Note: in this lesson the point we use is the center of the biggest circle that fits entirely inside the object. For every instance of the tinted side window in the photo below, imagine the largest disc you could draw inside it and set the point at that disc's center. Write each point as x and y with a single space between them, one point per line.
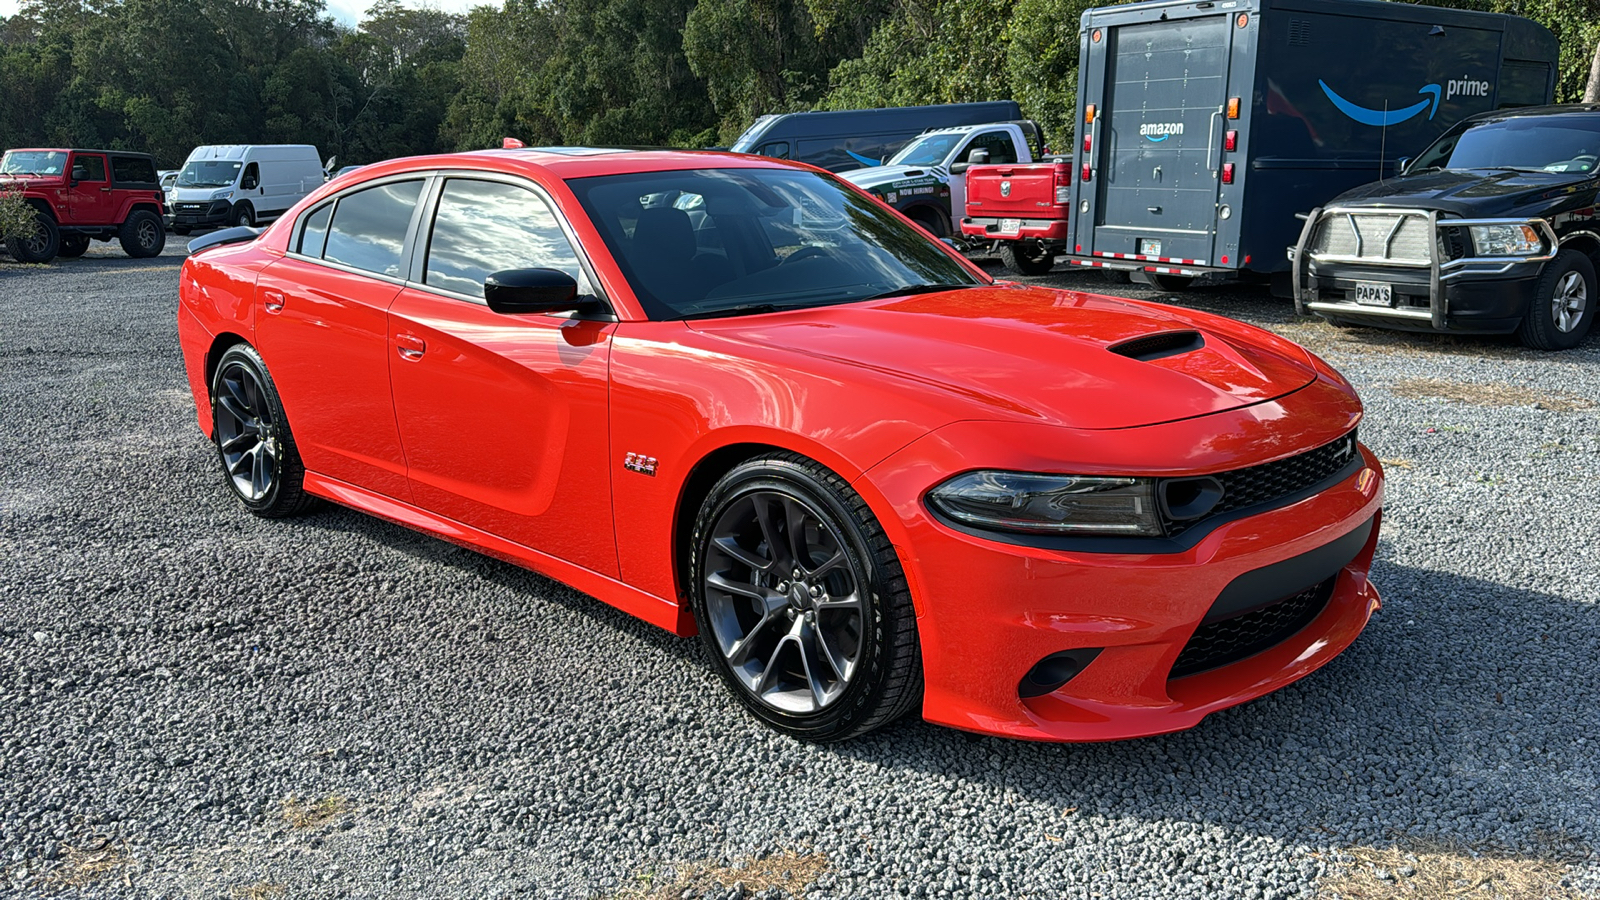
998 143
315 233
776 149
369 227
251 179
484 227
92 168
133 169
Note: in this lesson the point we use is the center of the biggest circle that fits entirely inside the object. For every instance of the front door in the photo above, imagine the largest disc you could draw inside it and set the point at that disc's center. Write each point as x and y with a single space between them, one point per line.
89 199
504 417
1162 139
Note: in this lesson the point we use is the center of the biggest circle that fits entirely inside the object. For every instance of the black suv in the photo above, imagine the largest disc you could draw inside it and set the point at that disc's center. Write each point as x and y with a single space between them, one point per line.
1493 229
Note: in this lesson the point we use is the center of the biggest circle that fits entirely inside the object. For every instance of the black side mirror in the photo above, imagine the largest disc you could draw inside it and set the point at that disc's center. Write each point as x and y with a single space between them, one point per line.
1402 164
524 291
79 173
979 156
958 168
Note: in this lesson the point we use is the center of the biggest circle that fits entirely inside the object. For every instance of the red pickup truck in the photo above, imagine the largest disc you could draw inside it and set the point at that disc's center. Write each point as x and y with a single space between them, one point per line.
1022 207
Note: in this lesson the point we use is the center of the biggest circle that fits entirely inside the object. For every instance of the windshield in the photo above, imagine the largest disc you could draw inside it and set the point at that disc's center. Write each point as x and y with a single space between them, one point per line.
1565 143
33 162
209 173
705 241
748 140
928 151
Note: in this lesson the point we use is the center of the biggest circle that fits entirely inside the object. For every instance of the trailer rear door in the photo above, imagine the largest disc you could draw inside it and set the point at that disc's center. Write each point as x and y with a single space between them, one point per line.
1161 134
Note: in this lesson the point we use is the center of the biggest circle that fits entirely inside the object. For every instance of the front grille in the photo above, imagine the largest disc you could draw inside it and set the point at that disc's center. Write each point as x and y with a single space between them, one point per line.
1380 237
1275 480
1219 643
191 207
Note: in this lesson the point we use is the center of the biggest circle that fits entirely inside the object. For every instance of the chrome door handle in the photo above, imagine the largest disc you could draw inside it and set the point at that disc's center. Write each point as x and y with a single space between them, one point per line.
410 347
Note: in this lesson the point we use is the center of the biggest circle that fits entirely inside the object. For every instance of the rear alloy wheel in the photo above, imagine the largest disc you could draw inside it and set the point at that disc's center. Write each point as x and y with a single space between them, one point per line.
1563 307
142 235
252 436
1027 257
40 246
802 602
73 245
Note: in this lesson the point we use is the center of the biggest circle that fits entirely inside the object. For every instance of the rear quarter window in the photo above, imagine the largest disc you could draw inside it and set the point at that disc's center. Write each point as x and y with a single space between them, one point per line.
369 227
133 170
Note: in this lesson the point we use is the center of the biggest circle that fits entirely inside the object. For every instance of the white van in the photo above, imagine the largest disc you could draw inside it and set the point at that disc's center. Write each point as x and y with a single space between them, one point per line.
242 184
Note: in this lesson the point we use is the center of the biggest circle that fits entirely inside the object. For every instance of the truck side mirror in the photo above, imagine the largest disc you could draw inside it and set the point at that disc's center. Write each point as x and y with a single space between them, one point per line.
979 156
1402 164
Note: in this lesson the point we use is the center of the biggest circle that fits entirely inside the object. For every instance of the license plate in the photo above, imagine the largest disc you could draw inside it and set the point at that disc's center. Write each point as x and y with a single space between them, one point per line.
1371 293
1010 226
1149 247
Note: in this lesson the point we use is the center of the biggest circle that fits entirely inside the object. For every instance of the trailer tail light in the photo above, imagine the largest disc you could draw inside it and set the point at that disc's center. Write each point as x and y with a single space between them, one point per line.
1242 20
1227 173
1085 172
1088 143
1088 114
1233 107
1230 141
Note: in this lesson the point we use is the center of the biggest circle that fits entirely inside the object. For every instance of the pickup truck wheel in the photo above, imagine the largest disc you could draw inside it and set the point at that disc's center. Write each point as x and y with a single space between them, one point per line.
39 247
142 235
1027 257
73 245
929 220
1563 306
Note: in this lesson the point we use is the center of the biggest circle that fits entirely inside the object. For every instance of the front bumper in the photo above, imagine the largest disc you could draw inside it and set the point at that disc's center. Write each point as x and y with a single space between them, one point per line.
1035 229
1475 295
989 611
199 215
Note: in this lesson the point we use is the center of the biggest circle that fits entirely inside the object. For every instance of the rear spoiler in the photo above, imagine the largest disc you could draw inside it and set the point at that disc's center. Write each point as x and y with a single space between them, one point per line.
224 236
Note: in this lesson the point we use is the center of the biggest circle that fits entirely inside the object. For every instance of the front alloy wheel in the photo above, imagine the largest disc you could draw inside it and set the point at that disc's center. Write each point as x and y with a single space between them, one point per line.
802 602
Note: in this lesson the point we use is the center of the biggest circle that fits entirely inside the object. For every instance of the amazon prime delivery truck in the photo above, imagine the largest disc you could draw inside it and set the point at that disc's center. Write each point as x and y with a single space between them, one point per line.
1204 127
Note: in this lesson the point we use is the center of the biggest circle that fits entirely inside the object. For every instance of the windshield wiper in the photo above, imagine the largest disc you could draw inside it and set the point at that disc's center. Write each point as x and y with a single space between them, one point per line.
910 289
747 309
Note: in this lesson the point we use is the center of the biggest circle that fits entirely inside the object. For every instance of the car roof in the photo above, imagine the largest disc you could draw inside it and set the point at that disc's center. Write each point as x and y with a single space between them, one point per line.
75 150
1518 112
584 162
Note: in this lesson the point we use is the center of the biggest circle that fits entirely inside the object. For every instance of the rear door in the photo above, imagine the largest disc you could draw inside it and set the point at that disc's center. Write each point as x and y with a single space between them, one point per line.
1163 120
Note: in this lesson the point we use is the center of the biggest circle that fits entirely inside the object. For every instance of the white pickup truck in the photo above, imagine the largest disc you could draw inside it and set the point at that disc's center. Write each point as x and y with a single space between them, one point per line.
926 180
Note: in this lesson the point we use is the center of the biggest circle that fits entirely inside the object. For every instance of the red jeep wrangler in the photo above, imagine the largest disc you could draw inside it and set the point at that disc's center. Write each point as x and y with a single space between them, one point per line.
84 194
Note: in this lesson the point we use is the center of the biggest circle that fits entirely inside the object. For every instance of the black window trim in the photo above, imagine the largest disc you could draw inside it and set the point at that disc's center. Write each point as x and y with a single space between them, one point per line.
430 206
426 176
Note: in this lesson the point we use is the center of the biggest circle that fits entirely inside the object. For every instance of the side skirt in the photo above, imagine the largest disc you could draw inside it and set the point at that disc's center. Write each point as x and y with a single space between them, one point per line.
627 598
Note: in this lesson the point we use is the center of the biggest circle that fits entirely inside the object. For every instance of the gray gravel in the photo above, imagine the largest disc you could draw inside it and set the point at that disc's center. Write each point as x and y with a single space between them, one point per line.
182 685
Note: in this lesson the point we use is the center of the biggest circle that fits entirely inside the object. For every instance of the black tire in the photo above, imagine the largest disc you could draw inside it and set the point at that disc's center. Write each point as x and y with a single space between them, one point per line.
850 605
243 214
1117 276
1169 283
1563 306
1027 257
39 247
257 450
73 246
929 220
142 235
181 230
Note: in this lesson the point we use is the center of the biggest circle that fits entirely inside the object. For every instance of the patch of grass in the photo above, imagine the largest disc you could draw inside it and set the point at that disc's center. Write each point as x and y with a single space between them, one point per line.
261 890
1424 873
98 858
1489 394
314 813
789 872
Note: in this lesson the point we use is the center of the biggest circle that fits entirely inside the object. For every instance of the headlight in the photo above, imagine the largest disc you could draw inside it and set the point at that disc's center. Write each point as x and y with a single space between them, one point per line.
1505 240
222 195
1050 504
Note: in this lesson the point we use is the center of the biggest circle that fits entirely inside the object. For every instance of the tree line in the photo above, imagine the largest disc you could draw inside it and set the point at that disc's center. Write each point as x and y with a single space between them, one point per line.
164 76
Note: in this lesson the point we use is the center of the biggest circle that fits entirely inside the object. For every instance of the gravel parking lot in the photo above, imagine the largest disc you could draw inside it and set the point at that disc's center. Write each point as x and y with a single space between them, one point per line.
198 703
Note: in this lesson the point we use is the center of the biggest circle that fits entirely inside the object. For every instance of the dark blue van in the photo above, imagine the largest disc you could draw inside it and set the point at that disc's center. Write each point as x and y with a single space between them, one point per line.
852 138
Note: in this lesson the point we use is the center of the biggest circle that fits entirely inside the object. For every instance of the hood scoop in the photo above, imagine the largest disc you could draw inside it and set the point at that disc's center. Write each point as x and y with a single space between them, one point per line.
1159 346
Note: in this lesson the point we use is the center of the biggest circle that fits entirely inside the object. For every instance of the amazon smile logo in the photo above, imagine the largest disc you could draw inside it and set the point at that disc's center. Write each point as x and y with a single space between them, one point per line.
1160 131
1394 116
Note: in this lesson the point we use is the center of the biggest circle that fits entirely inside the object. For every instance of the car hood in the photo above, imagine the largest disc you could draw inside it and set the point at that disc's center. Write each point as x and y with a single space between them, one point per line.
27 181
1468 192
1033 354
877 176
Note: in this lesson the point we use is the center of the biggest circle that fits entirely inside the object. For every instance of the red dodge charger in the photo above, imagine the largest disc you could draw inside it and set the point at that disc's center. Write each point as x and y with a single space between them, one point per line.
737 397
